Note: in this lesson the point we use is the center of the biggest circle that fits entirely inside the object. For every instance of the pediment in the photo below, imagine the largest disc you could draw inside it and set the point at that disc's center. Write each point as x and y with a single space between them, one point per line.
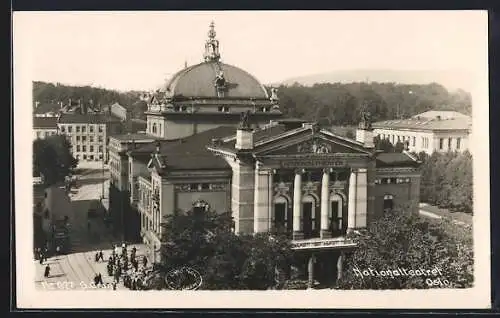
319 143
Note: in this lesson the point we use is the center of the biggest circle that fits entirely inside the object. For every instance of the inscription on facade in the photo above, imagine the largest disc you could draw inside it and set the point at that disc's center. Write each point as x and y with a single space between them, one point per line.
316 163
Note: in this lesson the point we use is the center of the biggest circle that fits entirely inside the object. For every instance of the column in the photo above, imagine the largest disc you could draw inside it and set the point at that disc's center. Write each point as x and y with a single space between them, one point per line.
351 212
261 200
325 202
297 206
310 271
361 198
340 263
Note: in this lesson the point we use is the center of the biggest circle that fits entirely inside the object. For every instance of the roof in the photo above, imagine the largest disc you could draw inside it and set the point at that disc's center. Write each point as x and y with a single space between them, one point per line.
444 114
135 137
199 81
395 159
86 118
45 122
44 108
426 124
190 153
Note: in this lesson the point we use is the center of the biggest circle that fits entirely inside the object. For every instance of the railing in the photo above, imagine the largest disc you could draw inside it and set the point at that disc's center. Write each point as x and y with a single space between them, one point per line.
338 242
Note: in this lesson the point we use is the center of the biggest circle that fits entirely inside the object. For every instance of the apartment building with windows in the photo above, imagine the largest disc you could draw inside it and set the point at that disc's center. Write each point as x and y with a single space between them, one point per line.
89 134
443 132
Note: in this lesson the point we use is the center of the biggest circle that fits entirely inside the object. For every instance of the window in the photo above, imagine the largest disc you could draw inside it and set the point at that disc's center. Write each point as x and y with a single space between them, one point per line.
91 148
100 129
91 138
414 141
223 109
91 157
458 143
99 138
205 186
100 148
78 148
70 129
84 129
77 128
84 149
449 143
183 108
441 142
154 128
91 128
84 155
193 186
84 138
63 128
388 202
77 138
78 157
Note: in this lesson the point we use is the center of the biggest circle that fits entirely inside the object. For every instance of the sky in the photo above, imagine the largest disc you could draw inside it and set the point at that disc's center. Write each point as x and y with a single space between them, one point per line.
140 50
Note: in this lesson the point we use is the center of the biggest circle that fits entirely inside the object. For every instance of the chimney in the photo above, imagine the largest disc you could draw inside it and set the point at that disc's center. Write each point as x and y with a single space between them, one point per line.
244 133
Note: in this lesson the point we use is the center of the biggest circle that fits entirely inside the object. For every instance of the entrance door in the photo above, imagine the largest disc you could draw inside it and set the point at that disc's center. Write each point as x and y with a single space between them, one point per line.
308 219
280 217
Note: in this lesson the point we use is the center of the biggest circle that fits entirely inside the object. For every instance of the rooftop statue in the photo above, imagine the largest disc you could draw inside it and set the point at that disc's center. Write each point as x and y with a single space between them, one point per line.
245 120
366 120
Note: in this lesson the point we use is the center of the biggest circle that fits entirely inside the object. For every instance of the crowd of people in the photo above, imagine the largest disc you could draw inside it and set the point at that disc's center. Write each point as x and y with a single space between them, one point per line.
123 264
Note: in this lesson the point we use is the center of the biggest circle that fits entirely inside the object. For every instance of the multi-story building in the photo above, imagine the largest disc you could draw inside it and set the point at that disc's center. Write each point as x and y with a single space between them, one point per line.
44 127
428 132
217 140
89 134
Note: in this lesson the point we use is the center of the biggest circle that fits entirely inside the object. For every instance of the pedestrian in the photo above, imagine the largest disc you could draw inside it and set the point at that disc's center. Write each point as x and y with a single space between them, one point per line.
144 261
96 257
58 249
47 271
99 277
41 258
114 285
101 256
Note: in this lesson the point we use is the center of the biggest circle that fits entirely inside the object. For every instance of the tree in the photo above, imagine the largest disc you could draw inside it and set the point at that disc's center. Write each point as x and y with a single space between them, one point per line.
205 242
400 240
52 159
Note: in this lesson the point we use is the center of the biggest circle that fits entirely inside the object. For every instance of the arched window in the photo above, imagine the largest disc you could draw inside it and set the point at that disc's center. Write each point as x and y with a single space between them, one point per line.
388 202
200 206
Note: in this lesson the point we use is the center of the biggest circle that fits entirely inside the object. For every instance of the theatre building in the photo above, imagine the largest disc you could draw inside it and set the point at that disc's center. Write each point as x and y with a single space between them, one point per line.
270 172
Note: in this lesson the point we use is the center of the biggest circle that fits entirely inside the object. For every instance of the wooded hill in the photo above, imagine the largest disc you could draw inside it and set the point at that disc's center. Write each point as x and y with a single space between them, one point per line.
340 104
329 104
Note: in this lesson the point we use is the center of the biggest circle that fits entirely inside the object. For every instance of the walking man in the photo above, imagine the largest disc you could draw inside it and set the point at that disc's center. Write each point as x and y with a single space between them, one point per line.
101 256
47 271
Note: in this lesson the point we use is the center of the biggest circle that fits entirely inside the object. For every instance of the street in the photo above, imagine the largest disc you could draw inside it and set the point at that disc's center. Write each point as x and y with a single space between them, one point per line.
76 270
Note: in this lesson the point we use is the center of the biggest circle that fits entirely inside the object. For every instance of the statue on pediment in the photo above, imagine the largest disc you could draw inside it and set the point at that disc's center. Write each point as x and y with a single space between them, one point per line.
314 146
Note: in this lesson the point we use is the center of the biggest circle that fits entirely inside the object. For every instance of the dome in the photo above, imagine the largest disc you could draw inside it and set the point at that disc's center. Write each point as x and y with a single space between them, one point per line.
200 81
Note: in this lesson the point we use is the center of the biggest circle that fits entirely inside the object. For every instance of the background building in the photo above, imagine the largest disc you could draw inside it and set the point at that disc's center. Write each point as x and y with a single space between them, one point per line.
89 134
117 111
44 127
428 132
